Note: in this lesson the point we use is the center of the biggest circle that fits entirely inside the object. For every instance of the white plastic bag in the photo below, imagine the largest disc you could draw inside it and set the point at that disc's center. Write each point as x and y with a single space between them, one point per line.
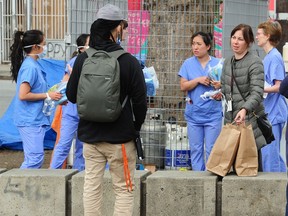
151 80
215 72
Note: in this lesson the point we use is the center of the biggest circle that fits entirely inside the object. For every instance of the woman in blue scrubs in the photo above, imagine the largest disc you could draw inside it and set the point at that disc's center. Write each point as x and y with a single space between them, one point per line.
69 122
31 91
268 36
283 90
204 117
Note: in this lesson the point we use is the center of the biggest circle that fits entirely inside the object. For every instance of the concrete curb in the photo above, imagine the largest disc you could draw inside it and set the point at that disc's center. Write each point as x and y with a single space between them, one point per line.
3 77
5 72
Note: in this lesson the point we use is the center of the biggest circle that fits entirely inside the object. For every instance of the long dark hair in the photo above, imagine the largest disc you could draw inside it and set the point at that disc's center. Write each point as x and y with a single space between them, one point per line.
80 41
21 40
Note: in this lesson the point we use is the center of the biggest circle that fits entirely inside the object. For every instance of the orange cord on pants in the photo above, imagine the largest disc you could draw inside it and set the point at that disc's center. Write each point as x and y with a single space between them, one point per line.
126 169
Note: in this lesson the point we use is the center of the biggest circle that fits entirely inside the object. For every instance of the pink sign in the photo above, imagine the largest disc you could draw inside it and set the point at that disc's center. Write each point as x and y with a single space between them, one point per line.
134 4
138 29
271 5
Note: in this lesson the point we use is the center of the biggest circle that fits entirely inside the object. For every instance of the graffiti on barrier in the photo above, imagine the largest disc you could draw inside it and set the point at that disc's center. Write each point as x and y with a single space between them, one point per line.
32 190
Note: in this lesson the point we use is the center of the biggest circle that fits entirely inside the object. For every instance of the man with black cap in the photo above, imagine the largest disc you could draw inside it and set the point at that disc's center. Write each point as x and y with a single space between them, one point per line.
103 141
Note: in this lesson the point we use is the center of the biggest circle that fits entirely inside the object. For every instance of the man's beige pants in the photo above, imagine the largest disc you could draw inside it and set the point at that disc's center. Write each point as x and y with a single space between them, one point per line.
96 155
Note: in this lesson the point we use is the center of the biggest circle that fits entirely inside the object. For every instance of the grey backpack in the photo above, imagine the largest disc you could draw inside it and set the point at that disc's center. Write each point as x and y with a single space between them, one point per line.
98 94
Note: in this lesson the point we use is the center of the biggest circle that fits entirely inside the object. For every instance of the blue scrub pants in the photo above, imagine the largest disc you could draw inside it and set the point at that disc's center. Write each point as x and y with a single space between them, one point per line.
271 158
33 146
198 135
68 131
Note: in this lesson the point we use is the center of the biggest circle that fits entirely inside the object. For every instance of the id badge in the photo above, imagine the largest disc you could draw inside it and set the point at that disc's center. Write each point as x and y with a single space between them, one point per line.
229 106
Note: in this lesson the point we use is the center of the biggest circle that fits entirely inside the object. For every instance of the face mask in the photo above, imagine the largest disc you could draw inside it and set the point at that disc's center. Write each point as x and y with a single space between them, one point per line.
119 39
43 54
40 55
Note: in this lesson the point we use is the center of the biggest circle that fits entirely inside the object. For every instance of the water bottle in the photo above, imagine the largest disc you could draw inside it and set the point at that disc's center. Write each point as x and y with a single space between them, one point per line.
48 106
45 107
285 56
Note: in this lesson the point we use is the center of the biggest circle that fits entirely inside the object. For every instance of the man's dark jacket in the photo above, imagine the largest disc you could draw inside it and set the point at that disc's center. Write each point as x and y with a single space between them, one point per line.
132 84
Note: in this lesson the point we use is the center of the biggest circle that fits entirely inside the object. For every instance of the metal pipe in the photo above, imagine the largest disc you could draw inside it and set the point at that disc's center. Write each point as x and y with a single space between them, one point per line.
29 13
13 7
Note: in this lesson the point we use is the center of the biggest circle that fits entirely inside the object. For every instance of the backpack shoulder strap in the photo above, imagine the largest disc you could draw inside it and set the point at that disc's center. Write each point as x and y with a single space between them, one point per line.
90 51
116 54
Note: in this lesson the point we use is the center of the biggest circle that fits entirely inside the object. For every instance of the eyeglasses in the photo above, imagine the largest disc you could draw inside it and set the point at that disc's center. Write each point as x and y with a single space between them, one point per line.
259 33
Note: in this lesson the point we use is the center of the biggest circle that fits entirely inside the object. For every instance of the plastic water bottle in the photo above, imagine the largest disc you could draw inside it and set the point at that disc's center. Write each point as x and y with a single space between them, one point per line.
48 106
285 56
45 107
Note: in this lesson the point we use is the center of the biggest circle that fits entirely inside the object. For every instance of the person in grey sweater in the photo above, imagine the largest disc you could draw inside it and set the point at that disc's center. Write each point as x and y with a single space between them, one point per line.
242 84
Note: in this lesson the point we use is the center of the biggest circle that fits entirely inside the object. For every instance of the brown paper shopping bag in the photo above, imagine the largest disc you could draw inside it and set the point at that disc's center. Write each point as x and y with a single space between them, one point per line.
224 150
246 163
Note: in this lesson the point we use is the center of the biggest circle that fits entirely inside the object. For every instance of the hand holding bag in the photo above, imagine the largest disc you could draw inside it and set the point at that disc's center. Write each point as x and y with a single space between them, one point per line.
262 121
246 163
224 150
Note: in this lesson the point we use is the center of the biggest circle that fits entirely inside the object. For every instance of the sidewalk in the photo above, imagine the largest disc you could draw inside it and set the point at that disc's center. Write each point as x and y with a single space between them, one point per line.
5 72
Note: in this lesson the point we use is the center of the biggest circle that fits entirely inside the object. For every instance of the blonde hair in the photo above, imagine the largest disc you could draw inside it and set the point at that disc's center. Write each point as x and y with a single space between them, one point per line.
272 28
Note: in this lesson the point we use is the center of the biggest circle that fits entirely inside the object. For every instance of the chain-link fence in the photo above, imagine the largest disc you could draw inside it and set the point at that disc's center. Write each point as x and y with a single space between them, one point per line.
167 45
159 36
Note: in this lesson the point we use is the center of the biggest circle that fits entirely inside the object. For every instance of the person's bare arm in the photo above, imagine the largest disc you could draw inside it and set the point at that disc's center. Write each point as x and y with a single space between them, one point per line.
26 94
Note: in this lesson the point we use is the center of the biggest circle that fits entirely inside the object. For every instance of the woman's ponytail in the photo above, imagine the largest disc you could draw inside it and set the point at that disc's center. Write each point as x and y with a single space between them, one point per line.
16 55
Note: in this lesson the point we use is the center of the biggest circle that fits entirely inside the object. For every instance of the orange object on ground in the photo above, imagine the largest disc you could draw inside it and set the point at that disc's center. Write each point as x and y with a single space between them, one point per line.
56 126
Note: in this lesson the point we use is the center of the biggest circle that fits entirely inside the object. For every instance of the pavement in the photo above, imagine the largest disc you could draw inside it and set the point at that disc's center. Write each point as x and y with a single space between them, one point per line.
5 72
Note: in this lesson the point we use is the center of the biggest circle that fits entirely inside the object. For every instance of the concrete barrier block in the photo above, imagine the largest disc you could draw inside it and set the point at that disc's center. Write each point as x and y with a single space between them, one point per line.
261 195
34 192
181 193
108 194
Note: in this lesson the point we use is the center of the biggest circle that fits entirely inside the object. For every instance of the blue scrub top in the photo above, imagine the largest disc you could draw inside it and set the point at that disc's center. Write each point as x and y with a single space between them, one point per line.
200 111
275 103
71 63
29 113
70 110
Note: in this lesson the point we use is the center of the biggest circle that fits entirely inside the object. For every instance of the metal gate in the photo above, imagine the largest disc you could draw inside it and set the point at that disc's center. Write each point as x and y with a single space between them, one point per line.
81 15
48 16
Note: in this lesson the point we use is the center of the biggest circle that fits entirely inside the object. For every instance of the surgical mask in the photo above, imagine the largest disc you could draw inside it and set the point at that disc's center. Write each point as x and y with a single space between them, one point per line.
40 55
119 39
44 53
